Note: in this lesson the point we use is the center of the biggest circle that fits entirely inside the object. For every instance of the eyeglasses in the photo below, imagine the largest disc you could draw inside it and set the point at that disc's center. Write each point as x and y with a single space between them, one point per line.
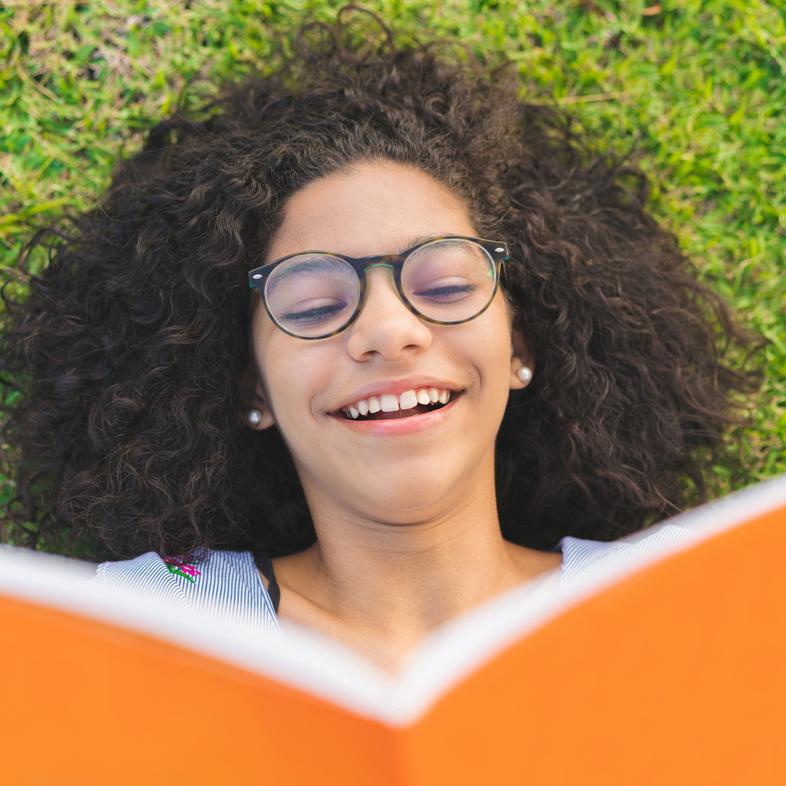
316 294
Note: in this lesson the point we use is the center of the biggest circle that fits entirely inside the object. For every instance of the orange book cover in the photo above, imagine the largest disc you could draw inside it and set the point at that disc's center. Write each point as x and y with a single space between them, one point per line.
669 668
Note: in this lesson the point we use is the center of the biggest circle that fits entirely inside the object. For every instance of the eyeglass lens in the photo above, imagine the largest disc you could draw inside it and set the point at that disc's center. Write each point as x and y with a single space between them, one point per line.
313 295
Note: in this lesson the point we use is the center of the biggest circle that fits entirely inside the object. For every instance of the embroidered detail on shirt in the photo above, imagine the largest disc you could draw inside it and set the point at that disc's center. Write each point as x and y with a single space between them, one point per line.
185 569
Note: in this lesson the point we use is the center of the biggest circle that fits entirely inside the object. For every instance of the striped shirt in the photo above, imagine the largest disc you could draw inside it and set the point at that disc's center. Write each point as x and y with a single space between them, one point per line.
228 583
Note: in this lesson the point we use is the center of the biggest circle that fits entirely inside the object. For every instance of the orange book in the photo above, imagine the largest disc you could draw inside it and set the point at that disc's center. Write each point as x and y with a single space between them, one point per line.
669 668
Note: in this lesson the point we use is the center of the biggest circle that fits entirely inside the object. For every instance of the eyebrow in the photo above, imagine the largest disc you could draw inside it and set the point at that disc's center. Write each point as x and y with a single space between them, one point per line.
310 265
413 241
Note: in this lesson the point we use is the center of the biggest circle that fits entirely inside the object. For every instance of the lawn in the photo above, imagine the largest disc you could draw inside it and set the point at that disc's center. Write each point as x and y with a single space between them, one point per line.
700 87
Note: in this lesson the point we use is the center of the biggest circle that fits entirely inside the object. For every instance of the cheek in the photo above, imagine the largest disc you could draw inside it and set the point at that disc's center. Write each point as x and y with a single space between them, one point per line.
493 337
283 381
493 350
278 358
298 374
482 348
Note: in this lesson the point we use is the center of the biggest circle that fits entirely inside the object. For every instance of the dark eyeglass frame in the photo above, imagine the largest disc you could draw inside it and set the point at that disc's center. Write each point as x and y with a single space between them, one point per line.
497 250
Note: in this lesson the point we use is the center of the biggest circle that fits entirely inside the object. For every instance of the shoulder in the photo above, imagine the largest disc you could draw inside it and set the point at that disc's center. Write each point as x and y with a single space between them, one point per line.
578 554
149 573
222 582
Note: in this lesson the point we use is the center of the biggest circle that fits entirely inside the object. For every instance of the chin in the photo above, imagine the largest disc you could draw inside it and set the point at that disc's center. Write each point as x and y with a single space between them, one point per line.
409 500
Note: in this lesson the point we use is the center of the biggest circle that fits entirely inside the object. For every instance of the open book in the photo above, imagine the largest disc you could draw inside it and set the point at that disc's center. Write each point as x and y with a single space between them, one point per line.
667 668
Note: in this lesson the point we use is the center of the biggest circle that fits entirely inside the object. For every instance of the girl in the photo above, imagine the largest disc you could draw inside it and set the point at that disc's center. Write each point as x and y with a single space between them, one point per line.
362 344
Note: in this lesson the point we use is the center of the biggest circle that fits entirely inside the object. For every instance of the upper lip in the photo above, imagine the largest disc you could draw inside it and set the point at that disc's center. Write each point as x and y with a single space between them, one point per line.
396 387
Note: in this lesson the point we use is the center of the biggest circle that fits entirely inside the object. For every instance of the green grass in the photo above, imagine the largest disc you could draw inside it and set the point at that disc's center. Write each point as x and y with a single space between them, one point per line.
700 85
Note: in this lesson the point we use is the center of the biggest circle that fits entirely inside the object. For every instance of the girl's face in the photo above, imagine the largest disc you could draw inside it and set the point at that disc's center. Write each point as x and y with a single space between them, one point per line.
382 207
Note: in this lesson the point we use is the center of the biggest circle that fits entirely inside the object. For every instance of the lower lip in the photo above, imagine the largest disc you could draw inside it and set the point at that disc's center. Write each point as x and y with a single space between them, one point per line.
397 426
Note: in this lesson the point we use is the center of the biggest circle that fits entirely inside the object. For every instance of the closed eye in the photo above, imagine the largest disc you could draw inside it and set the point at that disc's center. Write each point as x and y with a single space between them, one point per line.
445 292
313 314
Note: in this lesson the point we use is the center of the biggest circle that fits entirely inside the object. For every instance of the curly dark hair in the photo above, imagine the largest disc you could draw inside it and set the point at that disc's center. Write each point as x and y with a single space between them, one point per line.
121 369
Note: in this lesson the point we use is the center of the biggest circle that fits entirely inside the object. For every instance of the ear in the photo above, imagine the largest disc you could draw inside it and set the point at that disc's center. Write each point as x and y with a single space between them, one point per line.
253 396
520 357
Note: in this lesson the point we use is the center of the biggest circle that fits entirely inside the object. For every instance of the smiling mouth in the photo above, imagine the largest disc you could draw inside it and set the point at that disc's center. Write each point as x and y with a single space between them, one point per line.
420 409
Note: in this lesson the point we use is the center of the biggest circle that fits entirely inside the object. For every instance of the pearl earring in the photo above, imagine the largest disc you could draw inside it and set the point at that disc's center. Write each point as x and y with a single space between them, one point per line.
254 417
524 374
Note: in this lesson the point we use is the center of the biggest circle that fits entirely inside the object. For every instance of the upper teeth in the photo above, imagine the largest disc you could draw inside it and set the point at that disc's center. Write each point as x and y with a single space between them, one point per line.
390 403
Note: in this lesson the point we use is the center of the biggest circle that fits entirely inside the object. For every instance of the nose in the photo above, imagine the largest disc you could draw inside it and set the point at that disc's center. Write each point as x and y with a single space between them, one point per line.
385 324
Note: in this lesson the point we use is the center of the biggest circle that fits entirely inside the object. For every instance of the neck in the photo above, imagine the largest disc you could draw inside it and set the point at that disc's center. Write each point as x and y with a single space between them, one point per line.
409 579
384 586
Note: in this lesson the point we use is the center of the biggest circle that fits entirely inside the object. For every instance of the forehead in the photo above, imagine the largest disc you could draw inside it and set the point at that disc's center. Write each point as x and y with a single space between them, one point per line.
372 208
